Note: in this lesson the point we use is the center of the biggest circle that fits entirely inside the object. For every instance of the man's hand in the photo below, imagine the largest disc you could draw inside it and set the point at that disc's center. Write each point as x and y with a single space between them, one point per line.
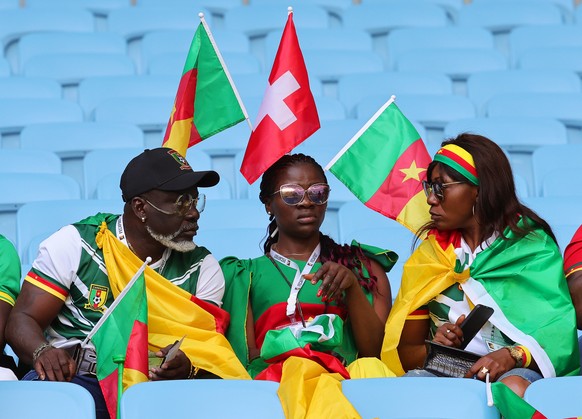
450 334
174 369
55 364
495 363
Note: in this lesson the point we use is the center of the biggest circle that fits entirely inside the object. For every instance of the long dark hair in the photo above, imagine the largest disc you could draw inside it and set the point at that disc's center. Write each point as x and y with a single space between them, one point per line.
351 257
498 206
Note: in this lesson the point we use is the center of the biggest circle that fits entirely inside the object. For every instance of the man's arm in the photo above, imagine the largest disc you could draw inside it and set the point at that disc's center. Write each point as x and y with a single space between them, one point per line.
33 312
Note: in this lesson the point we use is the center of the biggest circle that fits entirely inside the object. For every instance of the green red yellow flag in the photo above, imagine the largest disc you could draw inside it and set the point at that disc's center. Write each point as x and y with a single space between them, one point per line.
510 405
207 101
384 165
124 332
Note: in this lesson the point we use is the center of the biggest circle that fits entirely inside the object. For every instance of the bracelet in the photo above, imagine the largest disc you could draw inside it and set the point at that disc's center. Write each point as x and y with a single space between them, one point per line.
527 358
520 355
193 372
38 351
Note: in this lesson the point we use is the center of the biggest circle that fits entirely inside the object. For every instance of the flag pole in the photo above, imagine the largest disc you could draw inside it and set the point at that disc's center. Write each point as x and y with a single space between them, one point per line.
116 301
219 55
359 133
119 360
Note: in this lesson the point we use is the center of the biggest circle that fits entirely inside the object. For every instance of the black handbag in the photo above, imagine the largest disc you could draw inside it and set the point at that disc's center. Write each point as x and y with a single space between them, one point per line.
446 361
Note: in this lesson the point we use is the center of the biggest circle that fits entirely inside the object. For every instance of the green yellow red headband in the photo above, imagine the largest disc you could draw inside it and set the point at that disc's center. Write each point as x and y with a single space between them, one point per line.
459 159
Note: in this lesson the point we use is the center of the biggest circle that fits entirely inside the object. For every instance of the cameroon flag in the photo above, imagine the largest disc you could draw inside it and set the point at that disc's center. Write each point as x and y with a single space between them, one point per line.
206 102
384 165
123 333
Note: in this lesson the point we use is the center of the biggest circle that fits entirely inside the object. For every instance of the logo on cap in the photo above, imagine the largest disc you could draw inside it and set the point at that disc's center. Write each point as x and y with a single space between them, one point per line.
180 159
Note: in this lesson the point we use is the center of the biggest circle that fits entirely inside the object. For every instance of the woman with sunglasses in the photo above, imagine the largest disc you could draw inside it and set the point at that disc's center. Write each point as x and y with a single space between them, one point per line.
483 246
305 274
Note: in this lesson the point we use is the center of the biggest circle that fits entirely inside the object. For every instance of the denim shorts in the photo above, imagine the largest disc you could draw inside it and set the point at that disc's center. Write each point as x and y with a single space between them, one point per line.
525 373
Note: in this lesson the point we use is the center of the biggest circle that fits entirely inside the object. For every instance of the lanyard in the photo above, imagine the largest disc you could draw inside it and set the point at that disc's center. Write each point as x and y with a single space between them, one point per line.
299 280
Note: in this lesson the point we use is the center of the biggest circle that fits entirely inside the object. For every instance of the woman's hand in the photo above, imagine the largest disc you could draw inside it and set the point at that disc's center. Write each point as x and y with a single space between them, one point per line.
335 279
449 334
495 363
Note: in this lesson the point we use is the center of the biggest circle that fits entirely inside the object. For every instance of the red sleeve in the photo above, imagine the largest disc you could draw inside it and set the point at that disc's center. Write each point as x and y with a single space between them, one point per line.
573 254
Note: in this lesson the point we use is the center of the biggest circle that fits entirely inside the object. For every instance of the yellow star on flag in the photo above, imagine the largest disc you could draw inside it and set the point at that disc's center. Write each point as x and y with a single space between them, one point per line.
412 172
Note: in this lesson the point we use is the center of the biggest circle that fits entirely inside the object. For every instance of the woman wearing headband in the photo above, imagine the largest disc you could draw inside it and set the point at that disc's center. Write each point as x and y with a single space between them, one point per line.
484 247
305 281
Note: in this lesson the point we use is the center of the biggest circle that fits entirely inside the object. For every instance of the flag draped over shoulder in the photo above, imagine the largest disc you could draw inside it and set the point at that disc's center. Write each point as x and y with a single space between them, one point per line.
384 165
521 278
174 313
287 115
206 102
123 333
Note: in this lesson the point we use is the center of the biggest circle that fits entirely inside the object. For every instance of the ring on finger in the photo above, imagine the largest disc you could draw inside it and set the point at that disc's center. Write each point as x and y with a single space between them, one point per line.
484 370
448 331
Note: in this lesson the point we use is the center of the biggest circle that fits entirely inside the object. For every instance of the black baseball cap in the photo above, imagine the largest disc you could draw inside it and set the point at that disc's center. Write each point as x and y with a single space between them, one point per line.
164 169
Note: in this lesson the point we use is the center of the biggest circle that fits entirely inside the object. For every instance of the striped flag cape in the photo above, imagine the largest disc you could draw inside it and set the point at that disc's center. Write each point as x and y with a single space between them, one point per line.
174 313
207 101
123 332
521 278
384 165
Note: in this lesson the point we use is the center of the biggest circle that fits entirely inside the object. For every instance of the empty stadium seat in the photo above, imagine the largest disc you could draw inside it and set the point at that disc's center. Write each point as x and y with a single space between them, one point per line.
556 210
562 182
381 18
172 63
4 67
554 58
331 65
355 216
49 399
552 158
228 399
525 38
29 88
35 221
481 87
401 41
353 88
369 397
242 242
29 161
556 397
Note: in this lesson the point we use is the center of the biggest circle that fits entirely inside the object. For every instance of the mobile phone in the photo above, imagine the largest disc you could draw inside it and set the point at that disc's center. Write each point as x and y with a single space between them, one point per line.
173 350
474 322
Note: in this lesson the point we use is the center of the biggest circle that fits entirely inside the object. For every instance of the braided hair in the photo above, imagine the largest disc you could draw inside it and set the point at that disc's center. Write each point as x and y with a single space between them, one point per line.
351 257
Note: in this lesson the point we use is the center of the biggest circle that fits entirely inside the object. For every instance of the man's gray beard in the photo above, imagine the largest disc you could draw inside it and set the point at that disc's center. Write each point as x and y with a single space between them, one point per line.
167 240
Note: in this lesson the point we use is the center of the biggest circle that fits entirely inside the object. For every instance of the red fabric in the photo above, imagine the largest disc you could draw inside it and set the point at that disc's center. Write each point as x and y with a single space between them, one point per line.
109 389
445 238
329 362
573 253
221 316
268 142
136 358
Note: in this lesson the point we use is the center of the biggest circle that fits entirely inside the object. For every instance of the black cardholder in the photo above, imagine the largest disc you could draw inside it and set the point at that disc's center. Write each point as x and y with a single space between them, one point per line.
445 361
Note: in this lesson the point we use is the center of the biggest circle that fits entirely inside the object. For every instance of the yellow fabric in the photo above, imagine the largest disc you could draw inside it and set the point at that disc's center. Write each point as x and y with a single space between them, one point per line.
171 313
308 391
369 368
6 298
427 273
179 138
131 377
461 152
415 213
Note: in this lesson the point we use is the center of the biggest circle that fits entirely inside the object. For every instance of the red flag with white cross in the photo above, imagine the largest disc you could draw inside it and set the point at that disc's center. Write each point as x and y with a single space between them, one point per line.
287 115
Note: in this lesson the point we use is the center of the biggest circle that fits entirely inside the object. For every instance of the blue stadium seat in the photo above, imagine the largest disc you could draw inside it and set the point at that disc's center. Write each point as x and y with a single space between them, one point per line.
50 397
228 213
564 234
95 90
29 88
564 107
29 161
331 65
35 221
523 134
353 88
15 114
258 20
242 242
554 58
556 210
35 44
330 109
4 67
525 38
562 182
354 216
556 397
333 134
419 397
481 87
553 158
406 40
382 17
172 63
226 399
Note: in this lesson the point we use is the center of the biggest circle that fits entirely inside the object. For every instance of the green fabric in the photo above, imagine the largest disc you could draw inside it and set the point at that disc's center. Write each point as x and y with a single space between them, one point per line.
524 278
9 271
510 405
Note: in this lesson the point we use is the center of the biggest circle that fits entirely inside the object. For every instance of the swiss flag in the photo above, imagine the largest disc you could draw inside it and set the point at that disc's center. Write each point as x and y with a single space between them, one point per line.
287 115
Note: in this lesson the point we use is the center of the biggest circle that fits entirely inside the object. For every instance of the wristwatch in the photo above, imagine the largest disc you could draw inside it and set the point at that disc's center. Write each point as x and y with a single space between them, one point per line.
516 353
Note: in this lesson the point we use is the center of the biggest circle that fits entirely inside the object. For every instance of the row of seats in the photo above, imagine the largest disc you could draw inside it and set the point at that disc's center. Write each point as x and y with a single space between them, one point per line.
371 397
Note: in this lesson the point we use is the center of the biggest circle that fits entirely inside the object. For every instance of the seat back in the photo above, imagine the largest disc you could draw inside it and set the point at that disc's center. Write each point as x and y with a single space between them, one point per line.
552 158
556 397
419 397
29 161
228 399
51 399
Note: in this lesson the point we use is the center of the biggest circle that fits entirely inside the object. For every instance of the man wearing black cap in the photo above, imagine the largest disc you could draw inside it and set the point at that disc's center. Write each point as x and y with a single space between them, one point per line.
67 289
